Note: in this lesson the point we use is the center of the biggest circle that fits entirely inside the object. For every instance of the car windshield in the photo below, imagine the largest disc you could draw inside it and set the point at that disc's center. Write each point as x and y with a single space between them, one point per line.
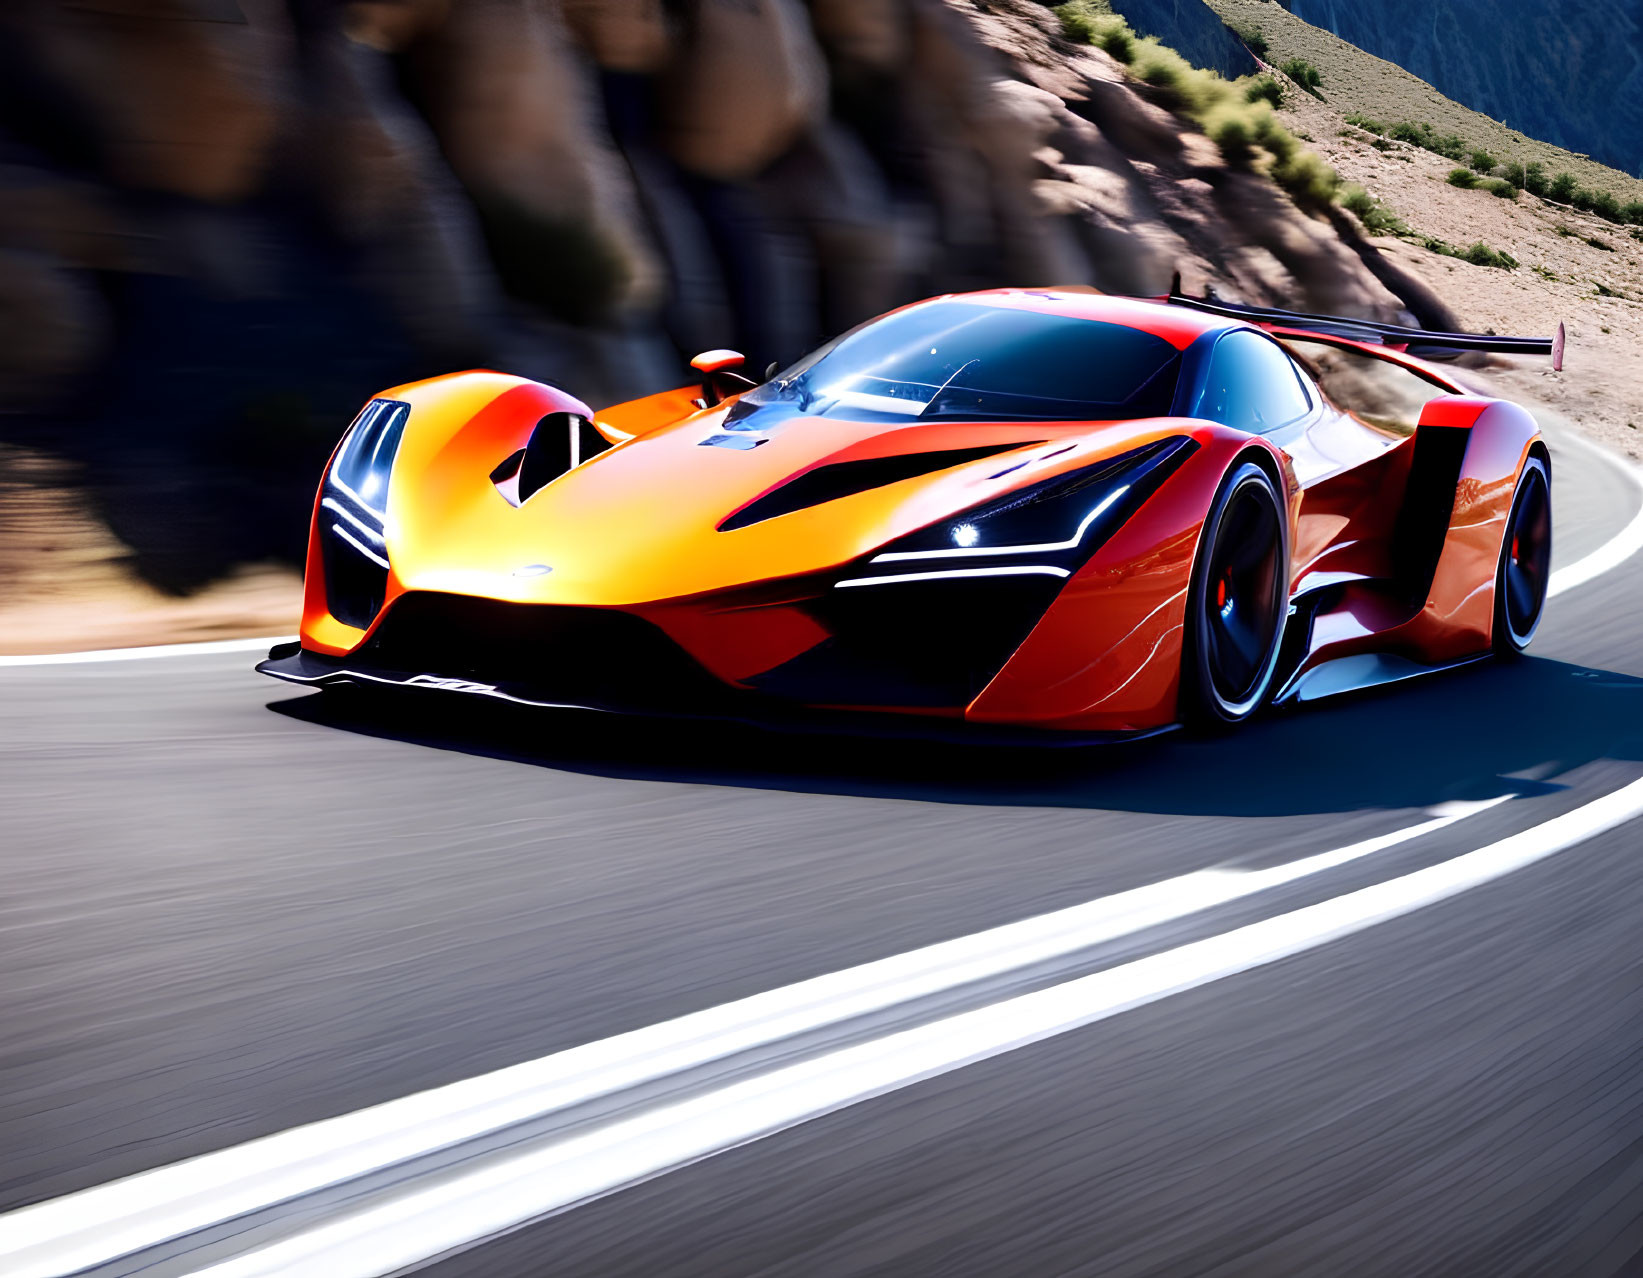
977 362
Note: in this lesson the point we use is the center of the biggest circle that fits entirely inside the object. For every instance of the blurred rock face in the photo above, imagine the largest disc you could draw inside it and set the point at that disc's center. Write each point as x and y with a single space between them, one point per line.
286 204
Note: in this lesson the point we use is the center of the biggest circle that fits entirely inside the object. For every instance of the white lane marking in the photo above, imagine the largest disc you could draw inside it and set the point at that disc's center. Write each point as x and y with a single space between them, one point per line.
1619 548
416 1224
101 1224
155 650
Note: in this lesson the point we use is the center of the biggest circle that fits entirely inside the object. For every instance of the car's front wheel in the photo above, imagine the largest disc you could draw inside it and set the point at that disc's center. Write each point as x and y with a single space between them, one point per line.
1237 602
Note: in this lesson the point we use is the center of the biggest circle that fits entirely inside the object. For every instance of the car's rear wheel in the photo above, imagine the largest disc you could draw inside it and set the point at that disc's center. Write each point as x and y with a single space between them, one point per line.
1237 602
1525 561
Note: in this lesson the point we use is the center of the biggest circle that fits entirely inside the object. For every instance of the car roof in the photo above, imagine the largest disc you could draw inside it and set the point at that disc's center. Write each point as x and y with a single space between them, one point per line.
1177 325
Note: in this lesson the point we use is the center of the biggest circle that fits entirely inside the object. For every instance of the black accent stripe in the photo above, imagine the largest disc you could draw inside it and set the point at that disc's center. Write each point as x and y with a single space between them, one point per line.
844 479
1428 505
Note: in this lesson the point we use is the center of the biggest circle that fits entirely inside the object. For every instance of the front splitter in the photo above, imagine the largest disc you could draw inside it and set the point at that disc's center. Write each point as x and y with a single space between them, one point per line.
292 663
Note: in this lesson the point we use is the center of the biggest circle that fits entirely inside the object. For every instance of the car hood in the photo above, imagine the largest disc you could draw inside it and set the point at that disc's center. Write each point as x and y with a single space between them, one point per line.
642 522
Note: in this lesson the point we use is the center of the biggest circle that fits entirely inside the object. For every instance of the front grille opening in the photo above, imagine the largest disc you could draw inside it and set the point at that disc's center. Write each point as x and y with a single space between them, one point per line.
913 643
579 655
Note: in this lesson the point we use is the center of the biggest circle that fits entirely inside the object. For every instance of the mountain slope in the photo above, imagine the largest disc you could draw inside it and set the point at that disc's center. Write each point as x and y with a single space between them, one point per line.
1570 74
1191 28
1358 81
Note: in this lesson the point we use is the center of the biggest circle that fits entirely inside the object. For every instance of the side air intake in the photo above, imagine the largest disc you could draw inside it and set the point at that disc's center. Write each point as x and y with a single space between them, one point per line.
845 479
559 443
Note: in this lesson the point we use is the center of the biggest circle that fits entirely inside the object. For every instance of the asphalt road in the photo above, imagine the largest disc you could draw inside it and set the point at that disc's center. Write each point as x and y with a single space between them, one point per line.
231 908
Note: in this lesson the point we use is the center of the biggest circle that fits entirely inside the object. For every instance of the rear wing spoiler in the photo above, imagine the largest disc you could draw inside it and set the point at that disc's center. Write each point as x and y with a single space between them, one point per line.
1418 341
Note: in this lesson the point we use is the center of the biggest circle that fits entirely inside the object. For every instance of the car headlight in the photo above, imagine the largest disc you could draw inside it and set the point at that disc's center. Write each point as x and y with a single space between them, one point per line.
353 509
1048 528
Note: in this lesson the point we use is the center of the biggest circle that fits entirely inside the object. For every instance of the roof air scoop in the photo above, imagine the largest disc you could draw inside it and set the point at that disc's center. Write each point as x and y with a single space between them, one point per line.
559 443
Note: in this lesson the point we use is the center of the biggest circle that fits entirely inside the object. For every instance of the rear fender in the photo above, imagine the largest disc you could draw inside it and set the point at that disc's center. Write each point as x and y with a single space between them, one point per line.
1457 618
1445 546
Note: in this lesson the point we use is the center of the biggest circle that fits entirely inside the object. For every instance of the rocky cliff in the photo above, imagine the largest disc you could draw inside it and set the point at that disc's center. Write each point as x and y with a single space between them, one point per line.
226 222
1570 74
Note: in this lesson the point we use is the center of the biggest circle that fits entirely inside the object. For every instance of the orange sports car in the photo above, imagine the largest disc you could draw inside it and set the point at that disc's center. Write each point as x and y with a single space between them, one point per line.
1058 511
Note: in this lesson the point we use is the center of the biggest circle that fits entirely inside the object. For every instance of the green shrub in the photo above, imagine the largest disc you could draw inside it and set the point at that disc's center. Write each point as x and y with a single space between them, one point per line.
1606 205
1463 178
1448 145
1253 37
1355 199
1092 22
1534 177
1563 188
1582 199
1423 135
1079 18
1376 218
1233 132
1366 123
1502 188
1263 88
1164 69
1480 254
1632 212
1481 161
1310 182
1181 86
1304 74
1279 142
1114 38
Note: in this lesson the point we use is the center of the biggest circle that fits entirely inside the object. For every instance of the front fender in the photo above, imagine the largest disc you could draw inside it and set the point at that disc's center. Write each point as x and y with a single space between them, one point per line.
1107 654
457 422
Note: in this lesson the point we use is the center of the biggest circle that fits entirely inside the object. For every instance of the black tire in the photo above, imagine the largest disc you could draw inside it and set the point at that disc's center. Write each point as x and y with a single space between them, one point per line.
1525 561
1237 602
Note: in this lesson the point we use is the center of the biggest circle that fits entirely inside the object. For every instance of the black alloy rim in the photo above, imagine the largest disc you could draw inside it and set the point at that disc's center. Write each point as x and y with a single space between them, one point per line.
1242 595
1528 554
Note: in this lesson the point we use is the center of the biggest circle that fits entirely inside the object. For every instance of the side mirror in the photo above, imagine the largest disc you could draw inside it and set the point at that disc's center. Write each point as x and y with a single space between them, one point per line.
721 377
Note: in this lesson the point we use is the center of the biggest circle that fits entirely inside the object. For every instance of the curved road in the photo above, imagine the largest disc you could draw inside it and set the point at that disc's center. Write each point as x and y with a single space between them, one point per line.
232 908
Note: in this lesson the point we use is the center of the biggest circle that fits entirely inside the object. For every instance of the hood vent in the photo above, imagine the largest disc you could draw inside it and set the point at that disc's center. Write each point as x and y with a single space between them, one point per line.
560 443
845 479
